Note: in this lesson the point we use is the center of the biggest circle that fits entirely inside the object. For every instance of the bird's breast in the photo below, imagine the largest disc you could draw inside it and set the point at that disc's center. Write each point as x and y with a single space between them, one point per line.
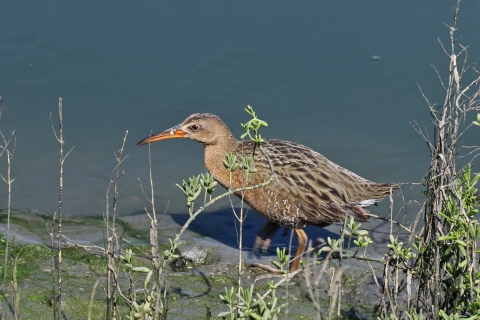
269 200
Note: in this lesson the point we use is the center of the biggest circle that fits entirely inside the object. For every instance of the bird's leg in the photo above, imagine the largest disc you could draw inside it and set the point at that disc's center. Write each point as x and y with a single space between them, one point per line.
265 235
302 244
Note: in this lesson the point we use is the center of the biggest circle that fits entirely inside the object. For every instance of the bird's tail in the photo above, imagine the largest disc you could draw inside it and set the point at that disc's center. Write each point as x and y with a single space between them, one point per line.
385 189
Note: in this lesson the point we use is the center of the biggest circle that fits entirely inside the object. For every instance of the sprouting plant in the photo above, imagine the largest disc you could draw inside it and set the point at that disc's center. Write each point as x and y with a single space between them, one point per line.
389 317
142 310
230 163
362 241
477 123
246 166
414 315
398 252
170 253
353 230
283 259
128 259
139 311
192 190
332 245
208 183
244 305
229 299
254 124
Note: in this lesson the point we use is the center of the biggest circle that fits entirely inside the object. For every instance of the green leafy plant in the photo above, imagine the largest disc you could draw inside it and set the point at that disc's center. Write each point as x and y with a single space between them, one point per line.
254 125
246 305
398 251
191 189
170 253
459 245
208 184
477 123
142 311
128 260
247 166
414 315
230 163
283 259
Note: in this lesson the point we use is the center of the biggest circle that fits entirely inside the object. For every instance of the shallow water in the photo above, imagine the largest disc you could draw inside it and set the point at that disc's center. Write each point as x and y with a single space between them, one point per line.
340 77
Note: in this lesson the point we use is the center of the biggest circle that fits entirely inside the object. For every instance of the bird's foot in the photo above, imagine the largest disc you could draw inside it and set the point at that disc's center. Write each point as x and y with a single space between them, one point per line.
264 236
262 244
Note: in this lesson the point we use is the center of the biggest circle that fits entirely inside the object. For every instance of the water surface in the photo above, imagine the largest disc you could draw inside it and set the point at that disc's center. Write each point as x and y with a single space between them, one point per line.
306 68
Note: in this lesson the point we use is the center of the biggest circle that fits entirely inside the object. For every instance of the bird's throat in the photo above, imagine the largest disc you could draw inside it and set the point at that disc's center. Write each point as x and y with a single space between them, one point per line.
214 156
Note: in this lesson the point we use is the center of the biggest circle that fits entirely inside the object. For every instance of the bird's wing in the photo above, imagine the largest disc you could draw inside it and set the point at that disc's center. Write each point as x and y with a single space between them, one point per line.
317 186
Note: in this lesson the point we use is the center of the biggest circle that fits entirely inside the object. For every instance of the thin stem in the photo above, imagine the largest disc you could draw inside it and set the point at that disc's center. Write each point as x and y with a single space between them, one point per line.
229 192
111 233
60 205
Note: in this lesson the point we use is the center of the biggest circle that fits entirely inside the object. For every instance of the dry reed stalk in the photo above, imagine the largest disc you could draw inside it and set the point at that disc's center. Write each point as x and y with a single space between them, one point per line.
425 280
449 126
16 290
158 260
111 234
62 157
51 233
92 297
10 151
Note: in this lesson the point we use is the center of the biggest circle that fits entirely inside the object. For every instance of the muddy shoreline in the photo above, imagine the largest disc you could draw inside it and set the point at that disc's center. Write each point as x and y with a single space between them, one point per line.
192 288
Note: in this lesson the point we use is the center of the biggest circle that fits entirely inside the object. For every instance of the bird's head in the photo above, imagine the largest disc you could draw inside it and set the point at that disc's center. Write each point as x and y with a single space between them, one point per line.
206 128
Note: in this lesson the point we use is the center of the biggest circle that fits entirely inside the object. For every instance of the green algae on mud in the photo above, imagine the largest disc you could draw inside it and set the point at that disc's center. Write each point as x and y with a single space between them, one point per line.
190 291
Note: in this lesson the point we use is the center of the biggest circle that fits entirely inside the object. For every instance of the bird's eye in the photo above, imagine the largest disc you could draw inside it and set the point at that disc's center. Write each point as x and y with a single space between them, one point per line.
195 127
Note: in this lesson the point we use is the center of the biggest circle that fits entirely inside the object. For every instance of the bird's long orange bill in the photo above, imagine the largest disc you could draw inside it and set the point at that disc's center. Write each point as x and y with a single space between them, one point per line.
174 132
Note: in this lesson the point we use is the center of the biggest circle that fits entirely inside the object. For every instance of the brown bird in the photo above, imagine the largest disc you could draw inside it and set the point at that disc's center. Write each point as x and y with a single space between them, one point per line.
307 188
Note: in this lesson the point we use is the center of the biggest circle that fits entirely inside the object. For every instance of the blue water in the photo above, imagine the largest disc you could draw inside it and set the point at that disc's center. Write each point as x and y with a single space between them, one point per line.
338 76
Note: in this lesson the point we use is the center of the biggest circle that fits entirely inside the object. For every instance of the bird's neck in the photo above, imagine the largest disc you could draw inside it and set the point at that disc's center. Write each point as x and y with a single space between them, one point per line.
215 154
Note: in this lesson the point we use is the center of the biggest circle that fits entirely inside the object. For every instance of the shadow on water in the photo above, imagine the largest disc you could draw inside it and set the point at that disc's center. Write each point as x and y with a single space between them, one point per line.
222 226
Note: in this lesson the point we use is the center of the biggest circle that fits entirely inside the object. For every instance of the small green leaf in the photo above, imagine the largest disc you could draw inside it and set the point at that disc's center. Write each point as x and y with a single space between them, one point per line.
445 238
461 242
141 269
463 263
